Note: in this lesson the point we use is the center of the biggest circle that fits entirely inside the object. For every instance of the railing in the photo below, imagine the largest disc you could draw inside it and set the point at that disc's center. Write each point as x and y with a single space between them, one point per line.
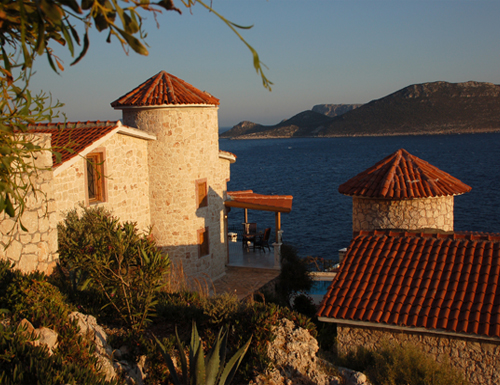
238 229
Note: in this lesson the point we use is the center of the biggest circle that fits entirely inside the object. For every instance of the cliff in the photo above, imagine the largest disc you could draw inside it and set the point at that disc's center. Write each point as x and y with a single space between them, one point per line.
428 108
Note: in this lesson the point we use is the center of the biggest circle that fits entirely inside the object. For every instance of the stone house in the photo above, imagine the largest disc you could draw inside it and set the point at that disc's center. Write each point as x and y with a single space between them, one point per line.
433 287
160 167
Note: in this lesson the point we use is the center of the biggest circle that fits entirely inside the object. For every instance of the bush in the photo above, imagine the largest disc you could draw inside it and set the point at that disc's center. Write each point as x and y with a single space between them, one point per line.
251 319
32 297
392 364
113 258
304 304
23 363
294 276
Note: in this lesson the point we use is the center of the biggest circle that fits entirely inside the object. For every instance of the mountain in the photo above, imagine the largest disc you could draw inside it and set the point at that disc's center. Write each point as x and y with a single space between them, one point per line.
428 108
333 110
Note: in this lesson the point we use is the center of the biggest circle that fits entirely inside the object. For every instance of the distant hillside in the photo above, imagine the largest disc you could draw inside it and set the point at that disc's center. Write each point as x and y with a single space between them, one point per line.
428 108
333 110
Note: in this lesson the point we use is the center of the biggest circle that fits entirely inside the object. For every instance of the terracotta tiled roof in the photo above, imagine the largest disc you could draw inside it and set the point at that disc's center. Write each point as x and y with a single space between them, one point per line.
248 199
164 89
69 139
440 282
403 176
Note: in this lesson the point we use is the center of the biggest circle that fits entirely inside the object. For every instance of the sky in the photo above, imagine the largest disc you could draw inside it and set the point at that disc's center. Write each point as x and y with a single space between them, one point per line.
316 52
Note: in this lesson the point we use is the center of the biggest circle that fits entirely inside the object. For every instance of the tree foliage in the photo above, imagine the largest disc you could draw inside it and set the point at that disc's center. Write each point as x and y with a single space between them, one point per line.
28 29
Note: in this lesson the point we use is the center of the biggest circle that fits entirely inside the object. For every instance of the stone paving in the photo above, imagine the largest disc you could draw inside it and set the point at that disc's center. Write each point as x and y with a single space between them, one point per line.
247 271
243 281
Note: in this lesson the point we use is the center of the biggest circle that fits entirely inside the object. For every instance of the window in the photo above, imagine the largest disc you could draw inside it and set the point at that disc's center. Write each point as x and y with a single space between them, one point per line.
95 177
201 193
203 243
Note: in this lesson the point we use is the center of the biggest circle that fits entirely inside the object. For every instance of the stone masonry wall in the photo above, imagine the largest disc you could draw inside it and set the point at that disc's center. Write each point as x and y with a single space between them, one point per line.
186 150
126 182
479 361
408 214
35 249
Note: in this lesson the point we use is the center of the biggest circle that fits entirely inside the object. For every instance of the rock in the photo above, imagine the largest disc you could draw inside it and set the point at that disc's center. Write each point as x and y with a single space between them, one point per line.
293 353
89 327
44 336
134 373
352 377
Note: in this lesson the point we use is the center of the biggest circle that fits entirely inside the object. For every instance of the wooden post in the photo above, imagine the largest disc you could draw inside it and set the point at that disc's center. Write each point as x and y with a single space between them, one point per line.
277 219
246 216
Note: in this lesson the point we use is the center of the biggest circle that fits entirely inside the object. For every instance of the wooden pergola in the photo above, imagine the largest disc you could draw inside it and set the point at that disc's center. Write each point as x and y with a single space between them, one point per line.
248 200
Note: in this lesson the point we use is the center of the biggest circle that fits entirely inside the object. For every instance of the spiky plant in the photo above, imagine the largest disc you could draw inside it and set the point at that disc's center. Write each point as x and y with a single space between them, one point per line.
209 370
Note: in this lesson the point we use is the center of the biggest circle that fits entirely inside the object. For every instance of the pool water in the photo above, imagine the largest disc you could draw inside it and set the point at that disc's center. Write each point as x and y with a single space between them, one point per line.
319 287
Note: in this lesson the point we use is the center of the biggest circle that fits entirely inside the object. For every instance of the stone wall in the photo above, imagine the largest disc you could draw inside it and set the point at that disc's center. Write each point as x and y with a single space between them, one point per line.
479 361
186 150
35 249
126 181
408 214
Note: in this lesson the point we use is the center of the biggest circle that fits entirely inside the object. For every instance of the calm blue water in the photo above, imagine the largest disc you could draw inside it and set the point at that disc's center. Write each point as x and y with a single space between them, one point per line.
311 170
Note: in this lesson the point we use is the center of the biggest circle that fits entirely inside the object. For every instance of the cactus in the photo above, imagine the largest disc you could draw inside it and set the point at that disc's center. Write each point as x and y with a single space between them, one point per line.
209 370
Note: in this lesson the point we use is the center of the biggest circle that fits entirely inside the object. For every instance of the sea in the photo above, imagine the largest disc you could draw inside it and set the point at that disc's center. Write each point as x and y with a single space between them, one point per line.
311 170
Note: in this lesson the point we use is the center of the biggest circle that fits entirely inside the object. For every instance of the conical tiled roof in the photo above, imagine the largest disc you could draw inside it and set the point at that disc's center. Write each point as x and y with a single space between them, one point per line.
164 89
403 176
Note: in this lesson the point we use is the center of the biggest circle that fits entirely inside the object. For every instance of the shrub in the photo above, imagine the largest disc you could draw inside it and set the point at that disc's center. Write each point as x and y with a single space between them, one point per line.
30 296
23 363
294 276
304 304
245 320
220 309
211 369
103 254
393 364
180 308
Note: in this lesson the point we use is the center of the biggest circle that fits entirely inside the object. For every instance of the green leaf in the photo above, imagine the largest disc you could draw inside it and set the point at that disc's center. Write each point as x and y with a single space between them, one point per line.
9 208
182 357
199 367
87 4
52 11
233 364
51 62
133 42
100 22
85 48
72 4
213 361
169 362
67 38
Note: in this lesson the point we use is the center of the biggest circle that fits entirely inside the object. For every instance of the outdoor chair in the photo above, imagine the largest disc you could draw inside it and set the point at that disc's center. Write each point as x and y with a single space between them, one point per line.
262 240
249 233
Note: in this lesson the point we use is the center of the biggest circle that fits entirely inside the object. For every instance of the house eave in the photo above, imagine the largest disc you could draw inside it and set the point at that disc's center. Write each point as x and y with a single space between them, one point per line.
119 129
193 105
417 330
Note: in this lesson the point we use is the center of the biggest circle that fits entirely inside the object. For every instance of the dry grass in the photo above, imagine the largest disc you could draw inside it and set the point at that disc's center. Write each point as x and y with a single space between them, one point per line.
178 281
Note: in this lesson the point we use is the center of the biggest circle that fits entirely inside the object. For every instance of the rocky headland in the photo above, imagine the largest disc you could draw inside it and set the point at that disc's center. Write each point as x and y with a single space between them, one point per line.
419 109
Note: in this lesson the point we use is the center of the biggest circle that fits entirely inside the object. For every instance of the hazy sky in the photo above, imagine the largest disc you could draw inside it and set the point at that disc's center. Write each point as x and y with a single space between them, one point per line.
317 52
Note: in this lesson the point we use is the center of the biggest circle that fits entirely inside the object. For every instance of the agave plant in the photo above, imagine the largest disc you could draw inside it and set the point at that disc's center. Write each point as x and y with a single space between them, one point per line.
209 370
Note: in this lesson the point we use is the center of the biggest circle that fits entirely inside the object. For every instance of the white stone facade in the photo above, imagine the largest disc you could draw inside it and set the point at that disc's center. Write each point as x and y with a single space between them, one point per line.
408 214
478 360
35 249
186 151
126 182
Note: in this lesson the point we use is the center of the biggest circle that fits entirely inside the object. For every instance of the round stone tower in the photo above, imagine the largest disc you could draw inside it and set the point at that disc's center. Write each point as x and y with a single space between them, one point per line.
187 175
403 192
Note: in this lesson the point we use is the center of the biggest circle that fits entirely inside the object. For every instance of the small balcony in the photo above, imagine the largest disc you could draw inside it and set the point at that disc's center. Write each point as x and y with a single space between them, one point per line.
241 255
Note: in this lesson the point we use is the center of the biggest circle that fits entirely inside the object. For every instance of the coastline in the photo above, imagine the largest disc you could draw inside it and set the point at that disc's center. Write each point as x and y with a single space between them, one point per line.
460 132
